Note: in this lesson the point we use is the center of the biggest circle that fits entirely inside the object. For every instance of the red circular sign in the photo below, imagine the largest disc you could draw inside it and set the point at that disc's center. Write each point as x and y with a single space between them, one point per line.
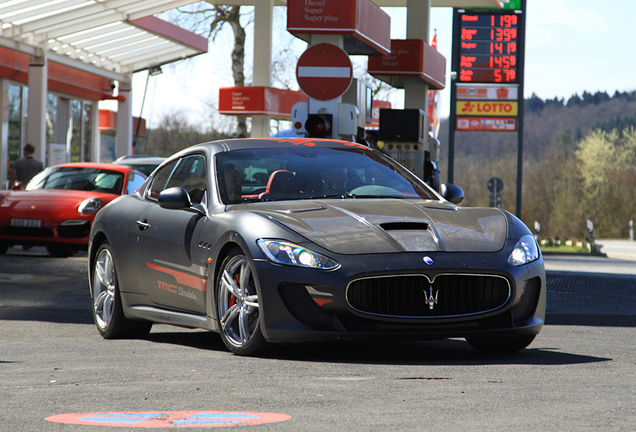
324 72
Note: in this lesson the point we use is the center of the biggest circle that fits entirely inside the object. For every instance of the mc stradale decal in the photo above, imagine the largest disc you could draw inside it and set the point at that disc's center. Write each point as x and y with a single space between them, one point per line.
175 289
186 286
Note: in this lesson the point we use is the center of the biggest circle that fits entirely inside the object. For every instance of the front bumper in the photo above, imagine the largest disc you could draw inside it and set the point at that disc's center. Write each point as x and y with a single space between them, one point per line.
300 304
70 232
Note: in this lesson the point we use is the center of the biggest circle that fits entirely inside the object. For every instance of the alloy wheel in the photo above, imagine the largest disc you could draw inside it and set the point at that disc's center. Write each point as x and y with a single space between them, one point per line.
238 302
103 288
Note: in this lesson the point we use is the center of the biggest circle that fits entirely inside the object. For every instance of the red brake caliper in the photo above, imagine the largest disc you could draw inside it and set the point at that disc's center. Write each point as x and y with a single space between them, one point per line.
237 279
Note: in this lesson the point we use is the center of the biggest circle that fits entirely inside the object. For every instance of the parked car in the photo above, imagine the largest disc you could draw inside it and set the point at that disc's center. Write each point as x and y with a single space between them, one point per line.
145 164
297 240
57 207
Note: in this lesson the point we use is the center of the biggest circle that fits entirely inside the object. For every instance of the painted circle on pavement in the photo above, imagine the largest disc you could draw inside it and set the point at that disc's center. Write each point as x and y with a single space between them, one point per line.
169 419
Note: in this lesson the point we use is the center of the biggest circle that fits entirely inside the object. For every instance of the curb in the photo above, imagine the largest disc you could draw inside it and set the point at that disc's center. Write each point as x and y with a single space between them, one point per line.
579 254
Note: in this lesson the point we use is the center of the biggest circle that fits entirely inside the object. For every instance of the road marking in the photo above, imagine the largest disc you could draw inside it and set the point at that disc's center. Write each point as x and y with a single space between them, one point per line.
346 378
169 419
11 276
30 279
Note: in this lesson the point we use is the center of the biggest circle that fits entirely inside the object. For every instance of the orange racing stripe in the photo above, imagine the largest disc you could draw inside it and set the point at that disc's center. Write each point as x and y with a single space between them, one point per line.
183 278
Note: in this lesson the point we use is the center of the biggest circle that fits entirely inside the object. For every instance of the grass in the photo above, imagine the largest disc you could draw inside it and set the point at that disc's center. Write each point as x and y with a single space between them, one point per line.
564 248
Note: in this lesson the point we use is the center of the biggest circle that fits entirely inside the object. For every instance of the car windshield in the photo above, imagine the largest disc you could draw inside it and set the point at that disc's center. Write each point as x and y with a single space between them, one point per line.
314 173
77 178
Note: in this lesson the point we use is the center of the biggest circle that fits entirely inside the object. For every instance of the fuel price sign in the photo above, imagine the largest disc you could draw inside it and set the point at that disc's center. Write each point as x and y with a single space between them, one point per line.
488 47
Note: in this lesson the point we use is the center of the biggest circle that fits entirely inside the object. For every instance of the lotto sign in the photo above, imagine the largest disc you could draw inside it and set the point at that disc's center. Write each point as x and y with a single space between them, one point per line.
479 108
324 72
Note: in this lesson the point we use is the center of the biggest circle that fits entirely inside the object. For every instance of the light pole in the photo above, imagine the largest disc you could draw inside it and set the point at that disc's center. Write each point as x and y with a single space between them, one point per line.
152 71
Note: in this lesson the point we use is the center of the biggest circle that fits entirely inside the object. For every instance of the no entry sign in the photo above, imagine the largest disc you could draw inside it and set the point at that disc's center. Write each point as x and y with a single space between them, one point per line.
324 72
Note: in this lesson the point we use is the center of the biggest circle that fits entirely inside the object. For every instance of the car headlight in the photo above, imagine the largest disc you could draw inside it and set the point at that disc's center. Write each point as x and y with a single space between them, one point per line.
526 250
89 206
284 252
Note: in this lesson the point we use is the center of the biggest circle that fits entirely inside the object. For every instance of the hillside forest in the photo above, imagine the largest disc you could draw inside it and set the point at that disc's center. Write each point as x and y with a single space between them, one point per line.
579 163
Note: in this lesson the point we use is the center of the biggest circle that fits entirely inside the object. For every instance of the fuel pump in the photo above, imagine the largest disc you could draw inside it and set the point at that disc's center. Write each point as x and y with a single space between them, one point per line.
406 139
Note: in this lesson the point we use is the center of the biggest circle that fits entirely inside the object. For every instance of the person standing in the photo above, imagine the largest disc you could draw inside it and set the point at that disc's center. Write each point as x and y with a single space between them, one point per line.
27 166
371 137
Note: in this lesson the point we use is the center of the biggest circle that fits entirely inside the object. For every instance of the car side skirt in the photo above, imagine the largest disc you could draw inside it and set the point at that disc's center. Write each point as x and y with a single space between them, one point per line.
164 316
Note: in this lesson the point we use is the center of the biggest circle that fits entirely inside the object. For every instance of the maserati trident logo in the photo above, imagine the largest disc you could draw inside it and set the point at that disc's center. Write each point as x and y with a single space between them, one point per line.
431 300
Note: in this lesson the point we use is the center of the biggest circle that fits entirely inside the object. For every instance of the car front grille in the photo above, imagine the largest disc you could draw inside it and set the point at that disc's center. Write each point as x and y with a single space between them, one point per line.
26 232
414 296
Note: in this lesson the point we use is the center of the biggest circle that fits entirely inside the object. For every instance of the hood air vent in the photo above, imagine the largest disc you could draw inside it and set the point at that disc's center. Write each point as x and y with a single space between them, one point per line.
405 226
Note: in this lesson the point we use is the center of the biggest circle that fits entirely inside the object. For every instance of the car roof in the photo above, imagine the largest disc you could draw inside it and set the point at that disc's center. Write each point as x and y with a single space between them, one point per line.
131 156
250 143
150 160
95 165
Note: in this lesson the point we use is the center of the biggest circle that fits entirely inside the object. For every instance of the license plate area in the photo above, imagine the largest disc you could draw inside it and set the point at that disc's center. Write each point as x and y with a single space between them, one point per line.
28 223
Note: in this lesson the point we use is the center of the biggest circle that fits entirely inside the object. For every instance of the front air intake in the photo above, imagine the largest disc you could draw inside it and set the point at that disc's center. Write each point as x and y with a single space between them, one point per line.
414 296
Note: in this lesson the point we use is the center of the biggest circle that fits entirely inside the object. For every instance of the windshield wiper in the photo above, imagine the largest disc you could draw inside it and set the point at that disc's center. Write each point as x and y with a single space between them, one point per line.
329 196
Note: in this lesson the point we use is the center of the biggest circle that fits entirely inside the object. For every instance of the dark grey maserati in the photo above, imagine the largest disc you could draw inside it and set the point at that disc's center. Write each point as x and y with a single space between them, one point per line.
272 241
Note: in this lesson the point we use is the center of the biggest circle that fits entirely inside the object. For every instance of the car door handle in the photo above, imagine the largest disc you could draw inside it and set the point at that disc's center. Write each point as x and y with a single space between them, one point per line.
143 224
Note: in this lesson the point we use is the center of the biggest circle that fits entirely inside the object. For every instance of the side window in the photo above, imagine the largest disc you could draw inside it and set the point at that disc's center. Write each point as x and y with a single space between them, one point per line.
135 180
161 179
188 172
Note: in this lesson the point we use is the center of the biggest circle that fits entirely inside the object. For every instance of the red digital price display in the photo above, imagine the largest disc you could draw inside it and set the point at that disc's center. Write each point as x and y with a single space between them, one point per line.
488 47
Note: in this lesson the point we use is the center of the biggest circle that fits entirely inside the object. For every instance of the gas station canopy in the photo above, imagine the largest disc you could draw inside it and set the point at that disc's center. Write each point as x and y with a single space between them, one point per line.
110 38
464 4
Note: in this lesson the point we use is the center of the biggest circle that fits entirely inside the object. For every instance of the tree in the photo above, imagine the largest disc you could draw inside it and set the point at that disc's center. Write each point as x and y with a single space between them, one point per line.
607 166
177 133
535 103
552 190
215 18
575 99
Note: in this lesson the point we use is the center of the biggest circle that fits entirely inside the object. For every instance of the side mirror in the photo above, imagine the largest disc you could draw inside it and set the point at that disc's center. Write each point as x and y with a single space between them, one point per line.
17 186
177 198
174 198
452 193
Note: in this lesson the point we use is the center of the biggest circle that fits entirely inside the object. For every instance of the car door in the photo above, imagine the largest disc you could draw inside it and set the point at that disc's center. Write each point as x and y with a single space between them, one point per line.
172 268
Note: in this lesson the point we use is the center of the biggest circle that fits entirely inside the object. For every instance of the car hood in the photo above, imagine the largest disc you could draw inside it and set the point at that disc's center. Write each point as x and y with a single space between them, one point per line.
45 200
390 225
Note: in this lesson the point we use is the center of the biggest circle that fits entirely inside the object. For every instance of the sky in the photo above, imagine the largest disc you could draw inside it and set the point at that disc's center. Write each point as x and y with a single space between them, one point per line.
571 46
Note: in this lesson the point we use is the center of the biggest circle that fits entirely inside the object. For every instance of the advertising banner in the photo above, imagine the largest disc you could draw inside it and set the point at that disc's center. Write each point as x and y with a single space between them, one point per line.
487 91
495 108
486 124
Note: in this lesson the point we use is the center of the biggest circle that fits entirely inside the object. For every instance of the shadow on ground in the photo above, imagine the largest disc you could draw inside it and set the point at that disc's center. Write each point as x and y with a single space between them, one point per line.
438 352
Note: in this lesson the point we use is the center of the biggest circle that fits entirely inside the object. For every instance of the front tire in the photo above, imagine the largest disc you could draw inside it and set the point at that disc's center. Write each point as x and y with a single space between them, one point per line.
238 306
500 344
108 313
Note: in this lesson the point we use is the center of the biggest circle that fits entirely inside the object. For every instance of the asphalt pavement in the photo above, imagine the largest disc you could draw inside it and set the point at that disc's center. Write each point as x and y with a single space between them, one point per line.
579 374
589 289
617 257
581 288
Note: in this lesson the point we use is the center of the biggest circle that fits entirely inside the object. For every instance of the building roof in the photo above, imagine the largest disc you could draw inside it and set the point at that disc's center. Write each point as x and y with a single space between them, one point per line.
110 38
113 38
463 4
